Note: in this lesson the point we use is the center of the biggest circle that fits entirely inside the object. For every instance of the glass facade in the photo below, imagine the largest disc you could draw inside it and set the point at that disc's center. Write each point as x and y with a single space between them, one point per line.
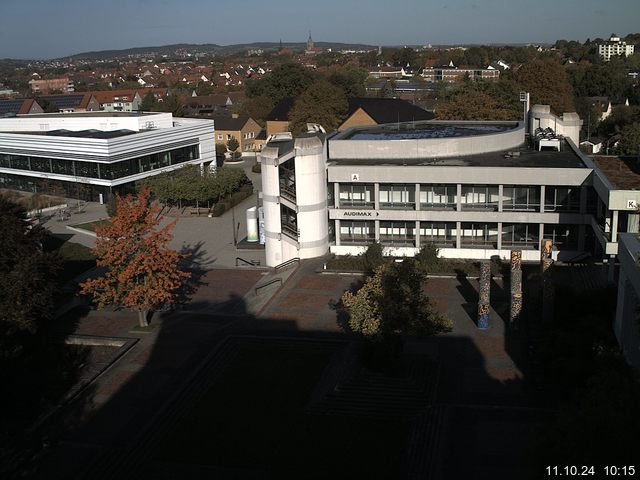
438 196
397 196
480 197
520 235
564 237
356 195
400 234
357 232
479 235
440 234
562 199
104 171
68 189
520 198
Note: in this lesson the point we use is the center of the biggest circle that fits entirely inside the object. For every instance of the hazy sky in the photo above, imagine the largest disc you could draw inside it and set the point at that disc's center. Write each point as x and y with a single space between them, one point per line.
55 28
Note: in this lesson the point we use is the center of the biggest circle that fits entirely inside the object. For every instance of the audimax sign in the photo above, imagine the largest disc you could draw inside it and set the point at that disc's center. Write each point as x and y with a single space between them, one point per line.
360 214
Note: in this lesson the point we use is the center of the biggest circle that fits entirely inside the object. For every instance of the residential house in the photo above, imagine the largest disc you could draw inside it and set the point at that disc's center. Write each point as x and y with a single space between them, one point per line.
19 106
72 102
376 111
210 105
241 127
361 111
118 100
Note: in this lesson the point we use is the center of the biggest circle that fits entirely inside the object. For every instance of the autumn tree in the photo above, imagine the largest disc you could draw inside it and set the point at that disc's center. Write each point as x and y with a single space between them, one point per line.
392 303
321 103
548 84
142 272
475 105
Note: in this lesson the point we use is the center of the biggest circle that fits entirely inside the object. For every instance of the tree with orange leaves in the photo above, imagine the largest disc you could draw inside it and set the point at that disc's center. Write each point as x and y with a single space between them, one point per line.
142 273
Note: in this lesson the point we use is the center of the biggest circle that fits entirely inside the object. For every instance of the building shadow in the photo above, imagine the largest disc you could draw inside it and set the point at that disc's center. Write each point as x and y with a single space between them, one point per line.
145 418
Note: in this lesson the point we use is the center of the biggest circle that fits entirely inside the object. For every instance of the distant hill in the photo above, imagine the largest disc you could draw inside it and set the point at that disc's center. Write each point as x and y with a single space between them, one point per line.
211 48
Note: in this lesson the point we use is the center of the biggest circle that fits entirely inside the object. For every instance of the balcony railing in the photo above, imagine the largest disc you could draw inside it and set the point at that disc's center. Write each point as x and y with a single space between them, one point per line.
288 192
290 230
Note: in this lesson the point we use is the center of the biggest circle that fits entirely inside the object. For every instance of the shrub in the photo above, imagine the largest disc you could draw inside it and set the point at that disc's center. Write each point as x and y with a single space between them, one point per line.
111 206
257 168
427 257
373 258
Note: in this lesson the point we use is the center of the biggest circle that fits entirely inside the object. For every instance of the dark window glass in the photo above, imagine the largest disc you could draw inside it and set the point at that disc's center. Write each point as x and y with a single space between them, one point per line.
86 169
40 164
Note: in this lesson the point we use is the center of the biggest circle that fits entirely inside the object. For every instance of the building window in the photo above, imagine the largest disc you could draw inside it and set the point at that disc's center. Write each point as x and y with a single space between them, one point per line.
397 196
479 235
356 195
562 199
438 196
439 234
400 234
521 235
220 137
563 237
357 232
480 197
289 222
521 198
229 136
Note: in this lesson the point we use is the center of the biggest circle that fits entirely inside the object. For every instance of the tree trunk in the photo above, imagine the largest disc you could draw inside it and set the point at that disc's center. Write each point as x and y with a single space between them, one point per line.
143 317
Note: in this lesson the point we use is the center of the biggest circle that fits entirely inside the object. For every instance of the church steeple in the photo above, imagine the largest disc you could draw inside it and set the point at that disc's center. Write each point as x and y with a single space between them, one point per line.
309 42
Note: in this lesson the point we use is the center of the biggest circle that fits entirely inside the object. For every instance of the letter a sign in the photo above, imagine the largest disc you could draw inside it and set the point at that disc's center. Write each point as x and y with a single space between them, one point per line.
355 177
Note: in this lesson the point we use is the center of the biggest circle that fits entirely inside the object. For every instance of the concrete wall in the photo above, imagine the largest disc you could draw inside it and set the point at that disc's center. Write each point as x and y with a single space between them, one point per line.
87 121
311 197
627 325
454 174
568 125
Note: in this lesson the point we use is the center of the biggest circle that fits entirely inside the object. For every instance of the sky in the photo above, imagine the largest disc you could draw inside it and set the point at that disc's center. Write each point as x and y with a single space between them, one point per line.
41 29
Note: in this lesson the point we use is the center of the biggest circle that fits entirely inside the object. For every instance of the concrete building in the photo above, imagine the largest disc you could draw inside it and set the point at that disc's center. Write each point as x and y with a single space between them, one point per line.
92 155
614 48
43 86
474 189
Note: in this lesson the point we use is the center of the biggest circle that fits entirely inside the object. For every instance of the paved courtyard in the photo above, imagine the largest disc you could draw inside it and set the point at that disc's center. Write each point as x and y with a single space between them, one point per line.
481 404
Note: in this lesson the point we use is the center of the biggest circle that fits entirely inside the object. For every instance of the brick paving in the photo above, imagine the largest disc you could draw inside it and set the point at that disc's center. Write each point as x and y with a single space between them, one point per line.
477 370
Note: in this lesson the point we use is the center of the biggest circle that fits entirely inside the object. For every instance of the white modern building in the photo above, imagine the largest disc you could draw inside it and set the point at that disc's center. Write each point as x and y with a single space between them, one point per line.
474 189
91 155
614 48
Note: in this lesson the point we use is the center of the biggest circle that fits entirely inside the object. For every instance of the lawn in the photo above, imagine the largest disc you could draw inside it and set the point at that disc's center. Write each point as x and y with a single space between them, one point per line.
91 226
253 417
76 258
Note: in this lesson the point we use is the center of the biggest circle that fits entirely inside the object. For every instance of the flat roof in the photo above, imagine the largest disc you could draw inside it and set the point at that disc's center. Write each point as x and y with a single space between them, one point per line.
524 157
408 131
91 133
622 172
101 113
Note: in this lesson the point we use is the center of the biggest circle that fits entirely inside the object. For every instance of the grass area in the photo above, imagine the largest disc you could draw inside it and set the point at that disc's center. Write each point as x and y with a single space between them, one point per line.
91 226
253 417
76 258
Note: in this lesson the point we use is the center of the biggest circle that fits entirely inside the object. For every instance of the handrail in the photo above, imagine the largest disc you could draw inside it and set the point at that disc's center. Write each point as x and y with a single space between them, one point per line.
270 282
252 262
286 264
